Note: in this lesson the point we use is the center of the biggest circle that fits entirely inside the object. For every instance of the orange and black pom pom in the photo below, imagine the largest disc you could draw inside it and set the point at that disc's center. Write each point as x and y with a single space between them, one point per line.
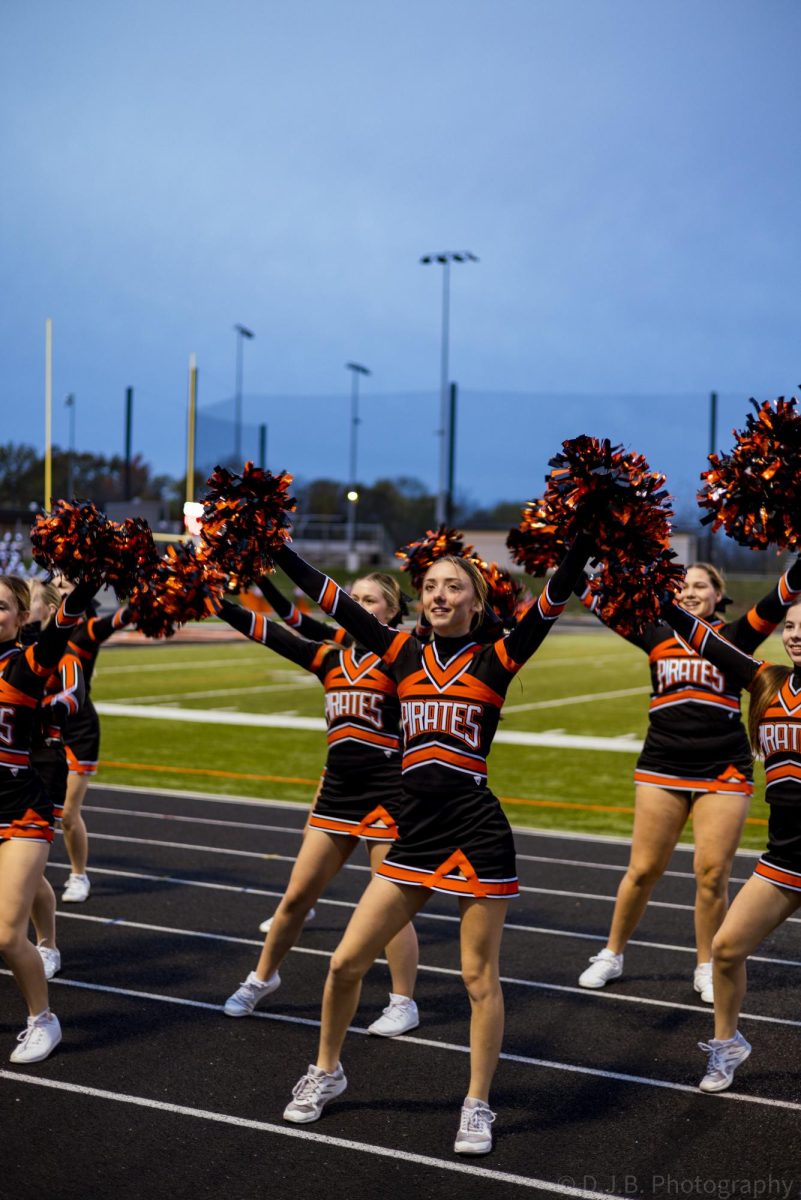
245 521
76 540
180 588
417 557
754 492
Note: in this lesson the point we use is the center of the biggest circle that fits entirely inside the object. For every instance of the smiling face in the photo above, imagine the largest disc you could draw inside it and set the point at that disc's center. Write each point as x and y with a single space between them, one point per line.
791 634
450 601
369 595
12 617
698 593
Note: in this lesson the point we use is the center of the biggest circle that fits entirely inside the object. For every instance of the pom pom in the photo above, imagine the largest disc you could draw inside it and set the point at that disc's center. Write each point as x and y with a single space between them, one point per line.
754 492
418 556
245 521
181 587
630 596
135 555
503 592
537 543
76 540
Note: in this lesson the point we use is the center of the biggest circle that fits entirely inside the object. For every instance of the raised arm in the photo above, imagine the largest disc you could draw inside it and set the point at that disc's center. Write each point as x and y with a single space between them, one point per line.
58 706
290 614
539 618
100 629
50 646
750 630
591 596
256 626
362 625
735 664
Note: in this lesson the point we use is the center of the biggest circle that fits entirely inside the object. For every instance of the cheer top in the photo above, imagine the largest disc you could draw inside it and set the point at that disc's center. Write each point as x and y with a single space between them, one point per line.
695 731
89 636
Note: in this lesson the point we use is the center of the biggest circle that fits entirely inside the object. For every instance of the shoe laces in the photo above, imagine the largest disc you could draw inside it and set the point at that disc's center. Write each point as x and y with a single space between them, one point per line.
396 1006
308 1089
717 1055
33 1029
476 1120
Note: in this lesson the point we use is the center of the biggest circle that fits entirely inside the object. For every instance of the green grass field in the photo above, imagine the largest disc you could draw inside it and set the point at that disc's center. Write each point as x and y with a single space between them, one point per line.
604 679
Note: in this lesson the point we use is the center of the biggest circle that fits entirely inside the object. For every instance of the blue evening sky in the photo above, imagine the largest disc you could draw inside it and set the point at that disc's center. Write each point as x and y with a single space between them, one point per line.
627 171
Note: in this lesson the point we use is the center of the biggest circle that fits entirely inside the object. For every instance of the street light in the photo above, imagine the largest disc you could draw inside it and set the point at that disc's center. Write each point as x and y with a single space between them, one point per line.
445 258
70 404
242 332
356 369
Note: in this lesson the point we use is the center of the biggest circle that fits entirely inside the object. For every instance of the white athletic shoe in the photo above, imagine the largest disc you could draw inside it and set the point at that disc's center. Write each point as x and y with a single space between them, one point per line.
602 968
702 982
475 1128
312 1092
249 993
51 959
266 925
38 1039
398 1017
76 889
724 1059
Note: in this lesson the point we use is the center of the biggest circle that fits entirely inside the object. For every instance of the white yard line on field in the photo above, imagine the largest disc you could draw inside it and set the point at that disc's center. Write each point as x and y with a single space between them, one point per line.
584 698
305 681
200 716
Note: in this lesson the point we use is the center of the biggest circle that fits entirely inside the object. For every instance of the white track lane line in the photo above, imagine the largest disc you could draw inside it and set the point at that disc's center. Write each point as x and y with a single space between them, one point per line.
449 1047
271 857
307 1135
547 860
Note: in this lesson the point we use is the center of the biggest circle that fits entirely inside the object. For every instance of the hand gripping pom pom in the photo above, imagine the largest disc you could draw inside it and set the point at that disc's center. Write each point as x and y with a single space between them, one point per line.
135 555
754 492
181 587
613 497
76 540
245 521
418 556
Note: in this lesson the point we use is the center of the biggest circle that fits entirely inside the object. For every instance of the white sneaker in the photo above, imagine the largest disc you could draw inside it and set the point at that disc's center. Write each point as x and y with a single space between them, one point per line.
266 925
76 889
475 1128
39 1038
312 1092
724 1058
702 982
603 967
398 1017
249 993
51 959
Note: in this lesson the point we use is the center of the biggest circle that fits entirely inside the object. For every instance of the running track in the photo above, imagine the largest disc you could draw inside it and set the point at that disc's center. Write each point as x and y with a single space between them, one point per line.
154 1092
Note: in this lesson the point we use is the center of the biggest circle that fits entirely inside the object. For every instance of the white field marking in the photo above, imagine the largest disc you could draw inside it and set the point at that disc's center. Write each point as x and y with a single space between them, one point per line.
541 661
317 724
423 915
307 1135
104 668
565 835
584 698
535 858
305 681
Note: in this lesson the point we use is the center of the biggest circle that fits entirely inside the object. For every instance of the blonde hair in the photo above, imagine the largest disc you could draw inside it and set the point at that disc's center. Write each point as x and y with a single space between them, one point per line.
49 593
20 592
390 590
716 576
474 575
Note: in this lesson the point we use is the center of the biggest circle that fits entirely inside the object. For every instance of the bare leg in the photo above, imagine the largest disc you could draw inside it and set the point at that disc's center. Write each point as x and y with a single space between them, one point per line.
381 913
756 910
321 857
43 914
659 817
22 863
717 826
76 838
402 951
481 932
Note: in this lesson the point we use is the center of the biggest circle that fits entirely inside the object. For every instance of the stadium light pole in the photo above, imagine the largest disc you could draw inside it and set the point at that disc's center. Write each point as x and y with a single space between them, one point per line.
445 258
70 404
356 369
242 332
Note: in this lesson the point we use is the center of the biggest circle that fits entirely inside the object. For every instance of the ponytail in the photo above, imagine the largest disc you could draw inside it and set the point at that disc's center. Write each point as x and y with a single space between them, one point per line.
763 689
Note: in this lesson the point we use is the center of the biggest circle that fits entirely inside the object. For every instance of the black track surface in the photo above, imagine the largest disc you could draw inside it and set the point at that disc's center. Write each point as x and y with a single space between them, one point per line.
595 1094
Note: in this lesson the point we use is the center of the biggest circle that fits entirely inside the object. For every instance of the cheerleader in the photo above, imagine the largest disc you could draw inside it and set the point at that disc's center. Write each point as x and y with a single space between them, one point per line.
82 742
64 694
773 893
26 812
695 759
358 798
453 835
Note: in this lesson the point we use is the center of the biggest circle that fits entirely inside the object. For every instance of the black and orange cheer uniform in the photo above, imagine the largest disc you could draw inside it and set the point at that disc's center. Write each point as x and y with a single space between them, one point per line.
360 792
453 835
696 741
26 808
779 744
82 731
302 623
